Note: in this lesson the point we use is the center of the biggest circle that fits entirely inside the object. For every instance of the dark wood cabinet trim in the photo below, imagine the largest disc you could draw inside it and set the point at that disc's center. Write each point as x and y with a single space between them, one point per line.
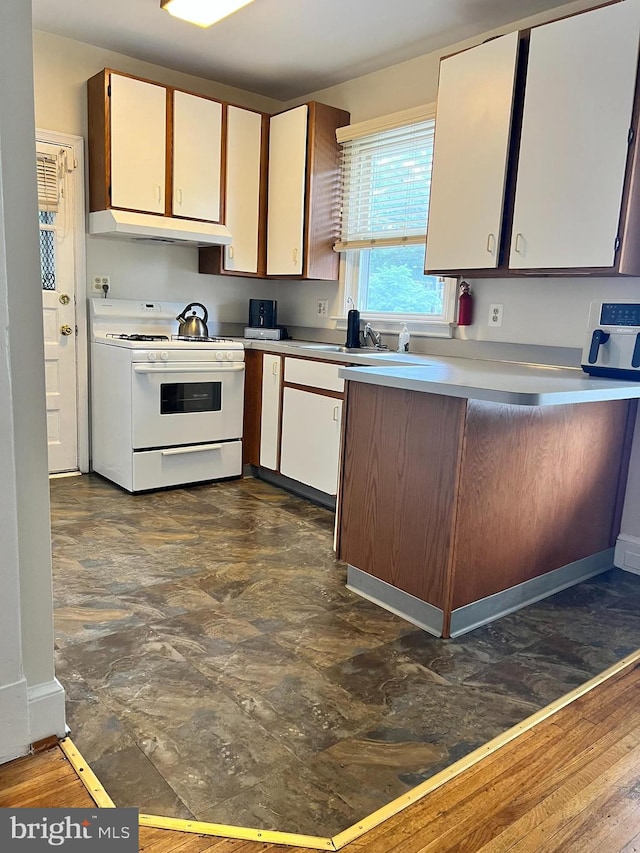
99 141
493 495
252 407
399 487
623 473
322 195
168 166
264 196
313 389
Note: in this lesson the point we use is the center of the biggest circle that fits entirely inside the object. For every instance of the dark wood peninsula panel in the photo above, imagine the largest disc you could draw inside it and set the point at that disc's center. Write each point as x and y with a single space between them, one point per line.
453 500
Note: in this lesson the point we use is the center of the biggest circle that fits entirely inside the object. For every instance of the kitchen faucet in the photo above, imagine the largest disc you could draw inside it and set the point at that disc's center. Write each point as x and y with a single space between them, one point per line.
375 337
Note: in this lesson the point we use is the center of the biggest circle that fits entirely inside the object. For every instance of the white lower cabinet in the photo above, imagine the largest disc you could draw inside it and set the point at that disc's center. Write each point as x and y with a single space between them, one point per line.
270 414
310 444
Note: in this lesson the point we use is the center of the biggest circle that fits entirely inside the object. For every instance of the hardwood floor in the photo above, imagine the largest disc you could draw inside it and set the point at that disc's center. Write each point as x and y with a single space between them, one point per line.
570 784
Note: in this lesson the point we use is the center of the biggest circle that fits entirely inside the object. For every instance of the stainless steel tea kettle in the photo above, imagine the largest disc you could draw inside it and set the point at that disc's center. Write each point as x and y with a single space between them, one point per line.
193 326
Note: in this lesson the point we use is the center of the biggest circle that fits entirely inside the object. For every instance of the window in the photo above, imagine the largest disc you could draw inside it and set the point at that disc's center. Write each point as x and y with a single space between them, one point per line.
386 178
47 181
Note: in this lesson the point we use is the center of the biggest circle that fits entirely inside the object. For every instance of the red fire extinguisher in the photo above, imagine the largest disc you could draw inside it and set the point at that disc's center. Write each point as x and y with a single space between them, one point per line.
465 305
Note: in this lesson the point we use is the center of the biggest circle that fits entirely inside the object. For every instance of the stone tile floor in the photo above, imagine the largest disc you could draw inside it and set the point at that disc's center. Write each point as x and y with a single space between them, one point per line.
216 666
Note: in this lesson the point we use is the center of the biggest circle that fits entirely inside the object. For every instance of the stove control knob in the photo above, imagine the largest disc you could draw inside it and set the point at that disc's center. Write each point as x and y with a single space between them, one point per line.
152 355
164 355
229 356
219 355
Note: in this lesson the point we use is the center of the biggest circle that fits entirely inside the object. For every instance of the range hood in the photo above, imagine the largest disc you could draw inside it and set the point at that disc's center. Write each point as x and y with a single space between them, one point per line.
161 229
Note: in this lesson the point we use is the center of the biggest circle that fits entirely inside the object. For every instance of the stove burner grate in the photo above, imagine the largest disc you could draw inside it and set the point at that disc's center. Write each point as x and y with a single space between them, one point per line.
201 338
139 337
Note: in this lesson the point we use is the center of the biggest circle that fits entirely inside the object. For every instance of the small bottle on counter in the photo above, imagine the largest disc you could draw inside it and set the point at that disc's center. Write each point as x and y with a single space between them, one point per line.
403 339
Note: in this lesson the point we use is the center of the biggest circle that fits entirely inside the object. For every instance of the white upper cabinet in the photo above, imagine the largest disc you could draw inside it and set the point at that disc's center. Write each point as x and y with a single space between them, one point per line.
577 116
473 124
244 146
286 196
138 144
197 144
536 161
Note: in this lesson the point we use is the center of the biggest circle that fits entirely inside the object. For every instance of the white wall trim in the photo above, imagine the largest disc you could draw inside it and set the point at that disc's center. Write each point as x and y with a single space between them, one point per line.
76 144
414 115
627 553
15 724
46 710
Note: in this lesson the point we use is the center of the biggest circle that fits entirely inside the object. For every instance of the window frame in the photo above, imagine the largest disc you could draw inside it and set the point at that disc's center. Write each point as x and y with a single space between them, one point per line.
353 258
428 325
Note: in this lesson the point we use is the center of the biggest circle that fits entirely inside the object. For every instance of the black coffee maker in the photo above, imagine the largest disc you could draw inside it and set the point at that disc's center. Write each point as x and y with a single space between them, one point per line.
263 313
263 321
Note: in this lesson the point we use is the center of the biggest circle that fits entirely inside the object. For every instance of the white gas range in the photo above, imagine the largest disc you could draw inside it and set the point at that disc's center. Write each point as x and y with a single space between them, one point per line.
166 410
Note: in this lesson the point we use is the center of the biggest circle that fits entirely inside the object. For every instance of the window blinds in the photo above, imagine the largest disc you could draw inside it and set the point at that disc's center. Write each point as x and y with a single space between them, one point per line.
48 183
386 178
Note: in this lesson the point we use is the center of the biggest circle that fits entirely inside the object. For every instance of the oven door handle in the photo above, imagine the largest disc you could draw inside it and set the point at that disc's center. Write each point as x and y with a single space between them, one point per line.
185 367
178 451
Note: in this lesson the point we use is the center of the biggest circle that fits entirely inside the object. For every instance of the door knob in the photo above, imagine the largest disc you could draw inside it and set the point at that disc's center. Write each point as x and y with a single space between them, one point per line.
66 330
64 298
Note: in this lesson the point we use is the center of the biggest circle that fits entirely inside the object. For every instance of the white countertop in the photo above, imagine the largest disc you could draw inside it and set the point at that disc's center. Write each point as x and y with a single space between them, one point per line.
478 379
496 381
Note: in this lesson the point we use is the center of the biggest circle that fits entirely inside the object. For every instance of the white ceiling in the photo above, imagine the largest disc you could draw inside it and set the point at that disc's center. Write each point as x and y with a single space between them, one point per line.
282 48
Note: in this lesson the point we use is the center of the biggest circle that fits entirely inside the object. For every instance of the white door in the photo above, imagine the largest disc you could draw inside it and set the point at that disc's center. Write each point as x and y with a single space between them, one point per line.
473 124
577 115
270 415
287 176
57 261
138 144
310 445
244 146
197 146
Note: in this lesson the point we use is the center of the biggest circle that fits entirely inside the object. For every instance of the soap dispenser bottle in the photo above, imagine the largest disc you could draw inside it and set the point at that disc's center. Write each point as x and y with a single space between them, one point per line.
403 339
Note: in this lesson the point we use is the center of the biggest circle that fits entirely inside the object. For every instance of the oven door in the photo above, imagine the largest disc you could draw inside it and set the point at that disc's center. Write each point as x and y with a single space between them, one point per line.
184 403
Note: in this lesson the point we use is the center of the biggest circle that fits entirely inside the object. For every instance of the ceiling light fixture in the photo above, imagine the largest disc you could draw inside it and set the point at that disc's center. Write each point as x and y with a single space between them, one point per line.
202 12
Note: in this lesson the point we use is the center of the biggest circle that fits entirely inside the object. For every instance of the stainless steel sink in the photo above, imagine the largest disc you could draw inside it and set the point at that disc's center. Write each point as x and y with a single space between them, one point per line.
337 348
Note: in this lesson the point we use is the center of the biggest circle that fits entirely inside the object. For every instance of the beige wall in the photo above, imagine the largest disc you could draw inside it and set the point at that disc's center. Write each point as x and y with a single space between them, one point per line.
414 82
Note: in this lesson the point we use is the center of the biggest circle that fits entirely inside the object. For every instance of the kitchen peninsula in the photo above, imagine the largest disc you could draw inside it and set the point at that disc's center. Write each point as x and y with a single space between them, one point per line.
470 488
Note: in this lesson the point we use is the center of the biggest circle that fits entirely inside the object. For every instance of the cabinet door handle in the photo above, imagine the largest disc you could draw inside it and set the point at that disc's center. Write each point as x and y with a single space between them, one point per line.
336 409
274 368
519 243
491 244
230 252
180 196
158 192
295 255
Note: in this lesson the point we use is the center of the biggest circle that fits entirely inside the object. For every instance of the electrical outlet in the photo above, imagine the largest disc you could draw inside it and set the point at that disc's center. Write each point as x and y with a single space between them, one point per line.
323 307
101 281
495 315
